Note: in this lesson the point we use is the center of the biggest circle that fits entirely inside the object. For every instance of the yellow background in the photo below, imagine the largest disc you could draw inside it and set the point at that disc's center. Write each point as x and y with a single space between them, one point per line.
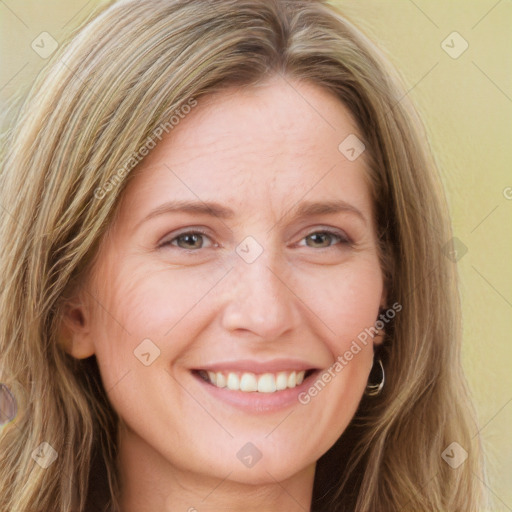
467 106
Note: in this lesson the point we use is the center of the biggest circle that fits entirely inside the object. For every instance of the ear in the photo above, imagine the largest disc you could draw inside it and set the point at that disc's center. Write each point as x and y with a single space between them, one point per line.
74 330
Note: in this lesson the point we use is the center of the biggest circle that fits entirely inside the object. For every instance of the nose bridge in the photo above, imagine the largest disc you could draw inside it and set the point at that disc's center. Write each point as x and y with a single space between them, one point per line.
258 298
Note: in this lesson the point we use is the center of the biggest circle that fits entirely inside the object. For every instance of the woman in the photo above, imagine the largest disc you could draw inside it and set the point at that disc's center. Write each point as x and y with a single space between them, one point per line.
224 274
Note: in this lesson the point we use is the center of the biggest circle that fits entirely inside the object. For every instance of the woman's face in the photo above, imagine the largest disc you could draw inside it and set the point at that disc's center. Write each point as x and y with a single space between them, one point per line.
244 252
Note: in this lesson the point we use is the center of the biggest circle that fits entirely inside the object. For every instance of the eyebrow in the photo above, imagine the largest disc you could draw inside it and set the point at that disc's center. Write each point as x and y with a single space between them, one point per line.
214 209
311 208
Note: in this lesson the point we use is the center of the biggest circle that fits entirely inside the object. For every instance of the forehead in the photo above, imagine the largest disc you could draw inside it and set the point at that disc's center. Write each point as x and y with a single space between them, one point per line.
264 146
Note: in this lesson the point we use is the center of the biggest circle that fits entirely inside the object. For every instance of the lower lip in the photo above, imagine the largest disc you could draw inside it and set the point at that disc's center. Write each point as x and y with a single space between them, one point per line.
255 402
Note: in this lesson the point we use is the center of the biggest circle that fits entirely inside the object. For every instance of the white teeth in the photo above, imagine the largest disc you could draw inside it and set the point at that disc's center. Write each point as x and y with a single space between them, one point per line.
233 381
250 382
281 381
267 383
221 380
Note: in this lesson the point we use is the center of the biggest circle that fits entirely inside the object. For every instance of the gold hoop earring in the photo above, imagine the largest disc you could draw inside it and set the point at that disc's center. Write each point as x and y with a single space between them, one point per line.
375 388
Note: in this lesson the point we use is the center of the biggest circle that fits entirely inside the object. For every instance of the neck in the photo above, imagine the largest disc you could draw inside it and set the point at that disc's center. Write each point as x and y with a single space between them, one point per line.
150 482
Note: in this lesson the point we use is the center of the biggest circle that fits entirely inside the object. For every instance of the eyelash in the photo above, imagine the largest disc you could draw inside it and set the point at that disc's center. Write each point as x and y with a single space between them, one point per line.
342 238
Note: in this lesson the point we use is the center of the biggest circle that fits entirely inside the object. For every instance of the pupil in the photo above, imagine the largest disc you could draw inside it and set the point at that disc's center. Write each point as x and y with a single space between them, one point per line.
191 240
320 238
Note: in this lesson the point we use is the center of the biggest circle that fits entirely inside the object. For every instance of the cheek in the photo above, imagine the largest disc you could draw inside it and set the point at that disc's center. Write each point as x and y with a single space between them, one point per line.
142 303
346 302
345 299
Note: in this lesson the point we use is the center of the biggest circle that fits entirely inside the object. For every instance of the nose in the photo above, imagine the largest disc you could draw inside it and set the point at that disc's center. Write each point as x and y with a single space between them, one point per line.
259 300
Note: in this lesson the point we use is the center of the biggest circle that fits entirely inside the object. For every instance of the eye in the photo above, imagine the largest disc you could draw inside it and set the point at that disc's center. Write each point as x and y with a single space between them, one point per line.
324 239
190 240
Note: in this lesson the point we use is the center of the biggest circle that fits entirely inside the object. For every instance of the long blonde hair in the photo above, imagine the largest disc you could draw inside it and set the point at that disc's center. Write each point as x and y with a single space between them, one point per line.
124 74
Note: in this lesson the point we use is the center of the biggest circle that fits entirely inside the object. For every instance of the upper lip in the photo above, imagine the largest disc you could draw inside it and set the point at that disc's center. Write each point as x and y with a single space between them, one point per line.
246 365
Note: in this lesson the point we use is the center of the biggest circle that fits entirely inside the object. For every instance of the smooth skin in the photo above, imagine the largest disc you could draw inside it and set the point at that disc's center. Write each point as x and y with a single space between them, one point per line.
261 152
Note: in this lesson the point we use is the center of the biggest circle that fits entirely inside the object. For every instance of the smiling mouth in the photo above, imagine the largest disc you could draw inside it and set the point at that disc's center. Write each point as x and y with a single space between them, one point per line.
249 382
